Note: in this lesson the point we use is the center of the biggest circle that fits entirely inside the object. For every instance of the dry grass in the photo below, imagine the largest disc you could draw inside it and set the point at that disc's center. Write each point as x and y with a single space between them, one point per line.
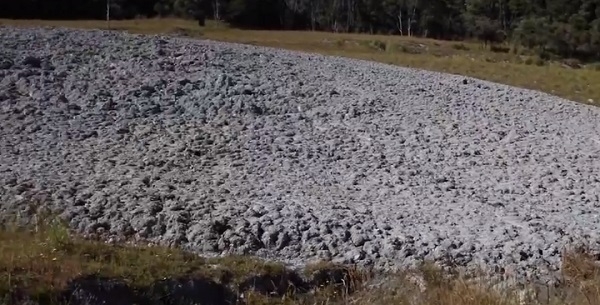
42 263
503 64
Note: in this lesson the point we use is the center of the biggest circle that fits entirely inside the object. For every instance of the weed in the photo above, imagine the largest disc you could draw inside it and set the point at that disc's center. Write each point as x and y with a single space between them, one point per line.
58 236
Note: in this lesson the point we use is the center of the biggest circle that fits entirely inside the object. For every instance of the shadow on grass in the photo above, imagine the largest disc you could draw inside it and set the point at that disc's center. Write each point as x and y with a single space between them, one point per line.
44 264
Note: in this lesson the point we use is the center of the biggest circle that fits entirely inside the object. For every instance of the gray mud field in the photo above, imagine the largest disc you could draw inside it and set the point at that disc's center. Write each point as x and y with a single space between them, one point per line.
231 149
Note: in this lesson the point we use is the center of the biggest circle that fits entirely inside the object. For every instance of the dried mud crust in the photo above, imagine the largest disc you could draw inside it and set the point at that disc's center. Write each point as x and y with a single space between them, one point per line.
223 148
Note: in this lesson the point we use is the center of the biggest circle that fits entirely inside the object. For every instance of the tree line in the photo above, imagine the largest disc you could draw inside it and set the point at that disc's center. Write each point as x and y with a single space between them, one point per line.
565 28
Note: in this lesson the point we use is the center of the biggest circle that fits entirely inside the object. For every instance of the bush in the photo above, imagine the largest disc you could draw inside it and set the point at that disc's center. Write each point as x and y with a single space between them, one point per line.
572 63
460 46
535 60
539 61
410 49
499 49
378 45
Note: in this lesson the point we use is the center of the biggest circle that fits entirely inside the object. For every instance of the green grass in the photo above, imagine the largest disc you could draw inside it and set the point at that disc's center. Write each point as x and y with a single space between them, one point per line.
504 64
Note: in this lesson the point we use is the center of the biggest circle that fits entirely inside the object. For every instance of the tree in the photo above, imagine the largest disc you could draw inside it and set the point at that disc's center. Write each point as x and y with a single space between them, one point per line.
486 30
533 33
564 28
217 6
186 8
595 37
163 8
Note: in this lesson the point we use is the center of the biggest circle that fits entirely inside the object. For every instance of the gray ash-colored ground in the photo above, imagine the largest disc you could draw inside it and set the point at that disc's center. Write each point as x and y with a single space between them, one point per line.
224 148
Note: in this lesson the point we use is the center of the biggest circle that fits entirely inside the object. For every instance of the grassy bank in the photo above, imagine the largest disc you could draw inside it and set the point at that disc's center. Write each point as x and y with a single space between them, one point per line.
50 266
502 64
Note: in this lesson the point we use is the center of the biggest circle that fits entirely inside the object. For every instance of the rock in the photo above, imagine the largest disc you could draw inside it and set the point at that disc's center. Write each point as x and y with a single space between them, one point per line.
283 240
355 255
33 62
6 64
358 239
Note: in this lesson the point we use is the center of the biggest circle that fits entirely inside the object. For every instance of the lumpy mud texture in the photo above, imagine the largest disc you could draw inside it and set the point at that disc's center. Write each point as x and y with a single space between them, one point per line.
229 149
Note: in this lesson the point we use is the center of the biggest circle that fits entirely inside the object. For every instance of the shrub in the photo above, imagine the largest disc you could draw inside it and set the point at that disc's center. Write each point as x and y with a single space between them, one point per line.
539 61
572 63
460 46
378 45
499 49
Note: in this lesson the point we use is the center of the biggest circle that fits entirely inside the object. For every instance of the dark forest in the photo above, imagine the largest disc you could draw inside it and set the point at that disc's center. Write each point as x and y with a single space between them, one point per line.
565 28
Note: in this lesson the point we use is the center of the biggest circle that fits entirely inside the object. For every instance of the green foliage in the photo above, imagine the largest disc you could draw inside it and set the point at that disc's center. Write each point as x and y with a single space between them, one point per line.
562 28
181 7
163 8
532 32
58 236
